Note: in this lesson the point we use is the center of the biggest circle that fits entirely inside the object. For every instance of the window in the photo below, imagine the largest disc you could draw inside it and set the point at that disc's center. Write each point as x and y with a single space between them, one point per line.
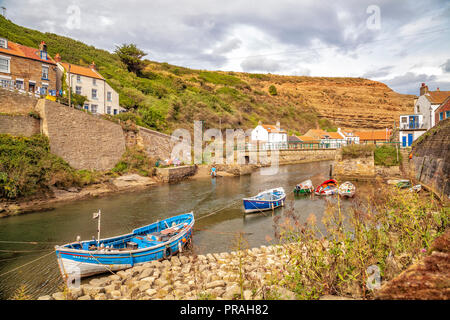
441 116
94 82
404 120
4 64
94 93
78 90
78 78
44 90
108 96
93 108
86 107
3 43
418 109
19 84
43 55
108 110
5 83
447 114
44 73
115 111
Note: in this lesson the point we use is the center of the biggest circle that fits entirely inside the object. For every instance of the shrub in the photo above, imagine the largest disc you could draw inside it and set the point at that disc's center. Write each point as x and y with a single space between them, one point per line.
387 155
273 90
357 150
135 160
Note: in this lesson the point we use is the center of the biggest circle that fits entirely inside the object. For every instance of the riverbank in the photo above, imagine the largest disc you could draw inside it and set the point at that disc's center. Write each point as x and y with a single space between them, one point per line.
125 183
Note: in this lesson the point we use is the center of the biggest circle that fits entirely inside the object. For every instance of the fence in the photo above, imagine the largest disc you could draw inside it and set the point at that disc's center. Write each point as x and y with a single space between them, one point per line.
310 145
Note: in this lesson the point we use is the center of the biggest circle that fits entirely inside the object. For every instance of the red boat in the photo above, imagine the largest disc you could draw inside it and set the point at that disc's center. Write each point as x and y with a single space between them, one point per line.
328 187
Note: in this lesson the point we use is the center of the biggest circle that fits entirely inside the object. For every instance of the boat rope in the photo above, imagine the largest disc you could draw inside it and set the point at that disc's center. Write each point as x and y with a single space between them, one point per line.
22 251
214 212
28 242
51 252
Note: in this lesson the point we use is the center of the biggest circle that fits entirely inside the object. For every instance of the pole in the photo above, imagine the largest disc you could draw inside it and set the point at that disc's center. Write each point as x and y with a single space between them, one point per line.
98 228
70 87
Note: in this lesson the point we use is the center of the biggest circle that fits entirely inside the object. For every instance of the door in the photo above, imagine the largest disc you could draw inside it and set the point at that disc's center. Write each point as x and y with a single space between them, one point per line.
410 139
404 141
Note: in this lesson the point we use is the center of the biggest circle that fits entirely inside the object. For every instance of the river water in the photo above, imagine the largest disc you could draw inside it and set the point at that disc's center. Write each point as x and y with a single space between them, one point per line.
216 203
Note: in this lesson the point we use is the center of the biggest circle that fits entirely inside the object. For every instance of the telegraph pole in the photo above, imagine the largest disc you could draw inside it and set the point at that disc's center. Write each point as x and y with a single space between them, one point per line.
70 87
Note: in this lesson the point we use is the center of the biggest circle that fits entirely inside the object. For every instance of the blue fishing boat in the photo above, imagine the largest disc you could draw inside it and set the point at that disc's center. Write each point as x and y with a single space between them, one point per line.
266 200
156 241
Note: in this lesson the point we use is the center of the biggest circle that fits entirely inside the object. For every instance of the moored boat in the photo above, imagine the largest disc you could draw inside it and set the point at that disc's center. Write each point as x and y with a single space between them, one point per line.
326 188
266 200
156 241
304 187
347 189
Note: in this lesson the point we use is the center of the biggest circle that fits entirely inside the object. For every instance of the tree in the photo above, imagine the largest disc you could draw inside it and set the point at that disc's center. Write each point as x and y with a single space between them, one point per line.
131 56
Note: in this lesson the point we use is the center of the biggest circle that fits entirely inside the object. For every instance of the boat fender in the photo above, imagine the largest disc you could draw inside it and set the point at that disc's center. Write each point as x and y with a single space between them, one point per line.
167 253
180 247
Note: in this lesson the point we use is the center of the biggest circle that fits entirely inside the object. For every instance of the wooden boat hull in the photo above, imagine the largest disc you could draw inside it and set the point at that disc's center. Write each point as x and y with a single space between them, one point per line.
73 260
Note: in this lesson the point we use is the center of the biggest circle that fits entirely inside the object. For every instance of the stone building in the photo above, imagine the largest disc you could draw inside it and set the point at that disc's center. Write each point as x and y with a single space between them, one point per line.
87 81
443 112
427 103
27 69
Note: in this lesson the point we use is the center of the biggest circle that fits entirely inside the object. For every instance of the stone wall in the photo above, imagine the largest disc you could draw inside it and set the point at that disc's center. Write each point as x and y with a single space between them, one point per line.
294 156
430 164
14 102
156 144
83 140
173 174
19 125
355 168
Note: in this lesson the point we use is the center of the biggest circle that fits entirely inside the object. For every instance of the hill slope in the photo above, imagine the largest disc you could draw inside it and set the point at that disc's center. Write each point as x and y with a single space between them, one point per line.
166 97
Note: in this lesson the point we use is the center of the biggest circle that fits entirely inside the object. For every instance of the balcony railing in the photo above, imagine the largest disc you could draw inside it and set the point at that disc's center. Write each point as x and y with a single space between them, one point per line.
411 126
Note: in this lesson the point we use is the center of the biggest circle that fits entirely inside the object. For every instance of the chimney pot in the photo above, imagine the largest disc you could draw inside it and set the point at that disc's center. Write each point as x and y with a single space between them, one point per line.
92 65
57 57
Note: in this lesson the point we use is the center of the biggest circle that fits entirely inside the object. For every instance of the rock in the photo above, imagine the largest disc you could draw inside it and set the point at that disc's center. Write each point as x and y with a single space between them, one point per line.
175 261
150 292
100 296
92 290
166 264
116 294
47 297
59 296
232 291
146 273
75 293
85 297
115 277
144 286
248 295
112 287
100 282
214 284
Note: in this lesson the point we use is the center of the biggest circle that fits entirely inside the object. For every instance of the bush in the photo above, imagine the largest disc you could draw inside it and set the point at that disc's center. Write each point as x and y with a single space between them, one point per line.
386 155
273 90
135 160
27 167
357 150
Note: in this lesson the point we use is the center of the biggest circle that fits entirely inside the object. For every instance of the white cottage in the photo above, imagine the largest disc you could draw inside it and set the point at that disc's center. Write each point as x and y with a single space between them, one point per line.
271 136
87 81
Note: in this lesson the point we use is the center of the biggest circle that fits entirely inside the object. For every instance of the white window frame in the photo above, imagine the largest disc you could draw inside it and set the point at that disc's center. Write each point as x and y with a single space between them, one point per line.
8 59
92 94
78 78
77 91
109 96
108 110
48 69
94 82
94 108
5 43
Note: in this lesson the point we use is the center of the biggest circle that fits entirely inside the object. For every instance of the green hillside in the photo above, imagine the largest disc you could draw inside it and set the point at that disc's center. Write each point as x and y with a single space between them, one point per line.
166 97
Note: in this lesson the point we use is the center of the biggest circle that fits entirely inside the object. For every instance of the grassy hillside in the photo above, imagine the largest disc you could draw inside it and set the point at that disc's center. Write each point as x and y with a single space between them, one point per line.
166 97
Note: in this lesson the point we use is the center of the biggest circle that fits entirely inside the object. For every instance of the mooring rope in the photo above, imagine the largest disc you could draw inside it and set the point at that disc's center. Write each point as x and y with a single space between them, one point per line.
214 212
51 252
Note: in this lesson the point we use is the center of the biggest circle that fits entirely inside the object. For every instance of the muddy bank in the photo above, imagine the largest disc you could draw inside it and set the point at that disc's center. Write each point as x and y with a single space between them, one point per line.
124 183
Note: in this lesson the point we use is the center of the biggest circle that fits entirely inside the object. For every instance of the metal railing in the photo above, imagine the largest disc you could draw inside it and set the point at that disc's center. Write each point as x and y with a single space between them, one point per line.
310 145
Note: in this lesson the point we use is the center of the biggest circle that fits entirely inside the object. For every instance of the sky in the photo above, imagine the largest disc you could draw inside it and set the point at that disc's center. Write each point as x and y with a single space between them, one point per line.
401 43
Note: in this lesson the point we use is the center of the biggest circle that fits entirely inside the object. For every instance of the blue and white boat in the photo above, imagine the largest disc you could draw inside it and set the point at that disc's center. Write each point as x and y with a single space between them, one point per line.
156 241
266 200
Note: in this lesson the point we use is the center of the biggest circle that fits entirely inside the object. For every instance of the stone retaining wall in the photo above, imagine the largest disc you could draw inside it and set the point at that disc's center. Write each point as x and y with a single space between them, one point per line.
19 125
14 102
173 174
211 276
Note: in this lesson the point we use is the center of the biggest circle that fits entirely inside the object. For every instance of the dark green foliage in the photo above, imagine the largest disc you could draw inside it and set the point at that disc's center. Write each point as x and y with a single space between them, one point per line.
27 166
131 56
387 155
327 125
357 150
273 90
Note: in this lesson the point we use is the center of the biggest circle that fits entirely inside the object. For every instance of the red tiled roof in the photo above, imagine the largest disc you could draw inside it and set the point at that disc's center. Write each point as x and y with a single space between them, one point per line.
437 96
332 135
306 138
373 135
272 129
19 50
444 105
82 71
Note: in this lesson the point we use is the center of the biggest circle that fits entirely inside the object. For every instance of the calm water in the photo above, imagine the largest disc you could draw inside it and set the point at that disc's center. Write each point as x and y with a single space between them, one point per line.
121 213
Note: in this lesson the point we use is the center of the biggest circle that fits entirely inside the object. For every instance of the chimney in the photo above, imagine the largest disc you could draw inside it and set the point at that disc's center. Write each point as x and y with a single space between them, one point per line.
43 46
57 57
423 89
437 89
92 66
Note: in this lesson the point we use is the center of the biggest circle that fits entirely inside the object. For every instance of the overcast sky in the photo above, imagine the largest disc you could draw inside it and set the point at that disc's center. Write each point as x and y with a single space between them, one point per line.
399 42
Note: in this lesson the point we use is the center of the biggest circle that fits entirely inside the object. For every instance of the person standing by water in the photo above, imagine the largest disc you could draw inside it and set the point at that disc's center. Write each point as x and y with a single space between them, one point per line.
213 171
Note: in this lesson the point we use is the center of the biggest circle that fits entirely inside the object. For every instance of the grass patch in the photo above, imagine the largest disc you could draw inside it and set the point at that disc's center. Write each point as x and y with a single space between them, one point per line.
357 150
387 155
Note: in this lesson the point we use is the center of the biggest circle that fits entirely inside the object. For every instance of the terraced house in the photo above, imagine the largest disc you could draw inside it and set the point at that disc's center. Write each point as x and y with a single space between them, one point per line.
87 81
27 69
